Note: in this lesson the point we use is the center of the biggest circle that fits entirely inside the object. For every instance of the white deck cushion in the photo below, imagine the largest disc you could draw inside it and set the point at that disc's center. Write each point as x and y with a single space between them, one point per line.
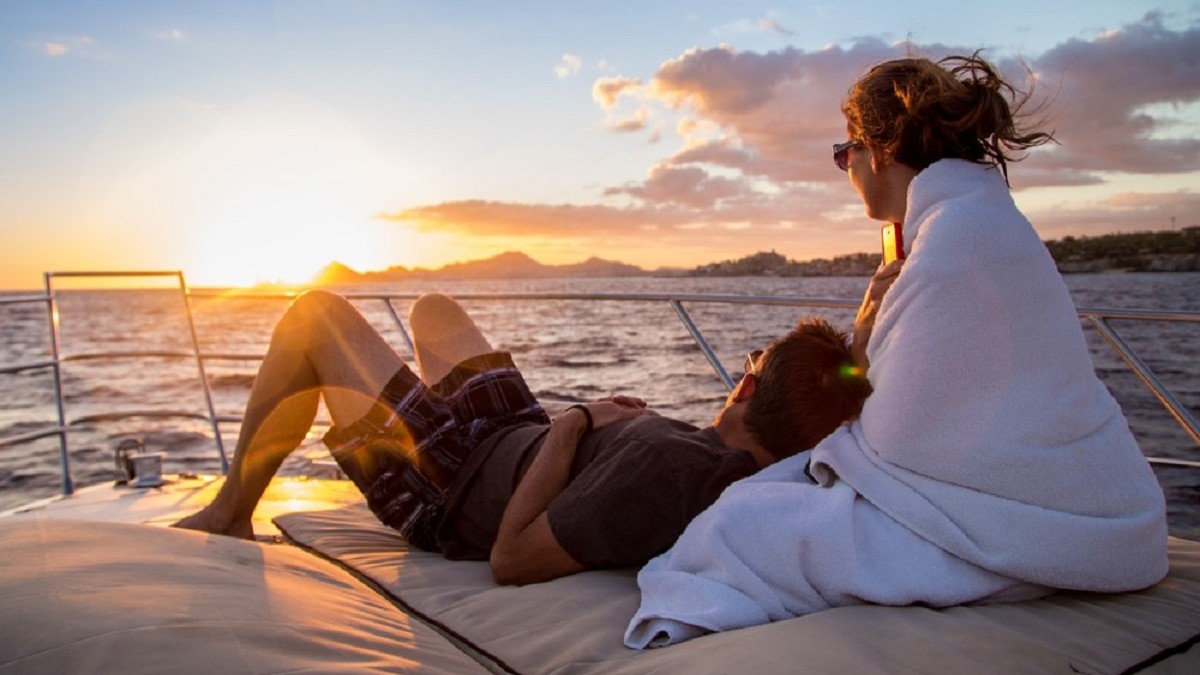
575 624
110 598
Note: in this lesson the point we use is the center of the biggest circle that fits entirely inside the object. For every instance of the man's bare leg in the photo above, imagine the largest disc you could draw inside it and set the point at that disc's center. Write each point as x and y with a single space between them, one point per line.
321 346
443 336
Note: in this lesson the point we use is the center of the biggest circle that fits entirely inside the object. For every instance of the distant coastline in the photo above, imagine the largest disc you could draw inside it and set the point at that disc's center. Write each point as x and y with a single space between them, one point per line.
1162 251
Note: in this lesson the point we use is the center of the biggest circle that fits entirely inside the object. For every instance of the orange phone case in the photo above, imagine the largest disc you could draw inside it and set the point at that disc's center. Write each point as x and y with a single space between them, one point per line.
893 242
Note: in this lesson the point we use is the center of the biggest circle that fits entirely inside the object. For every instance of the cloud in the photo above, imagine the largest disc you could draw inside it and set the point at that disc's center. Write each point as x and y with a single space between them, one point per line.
490 218
773 26
637 122
778 110
1109 98
790 221
170 35
684 186
767 24
722 78
1121 212
754 132
1101 91
567 66
81 46
607 91
721 152
671 199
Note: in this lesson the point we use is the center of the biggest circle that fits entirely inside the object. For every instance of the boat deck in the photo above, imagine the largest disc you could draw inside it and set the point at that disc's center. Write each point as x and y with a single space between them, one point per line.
184 495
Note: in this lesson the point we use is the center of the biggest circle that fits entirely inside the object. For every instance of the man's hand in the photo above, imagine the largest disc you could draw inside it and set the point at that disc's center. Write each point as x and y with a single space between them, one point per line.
526 550
864 323
615 408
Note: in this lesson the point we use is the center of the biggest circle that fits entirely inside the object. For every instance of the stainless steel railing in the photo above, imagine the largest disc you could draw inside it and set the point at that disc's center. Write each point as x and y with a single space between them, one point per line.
1099 319
58 359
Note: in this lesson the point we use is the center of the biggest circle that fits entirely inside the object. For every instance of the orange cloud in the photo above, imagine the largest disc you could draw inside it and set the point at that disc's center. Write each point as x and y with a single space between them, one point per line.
490 218
672 198
637 122
651 234
608 90
1141 201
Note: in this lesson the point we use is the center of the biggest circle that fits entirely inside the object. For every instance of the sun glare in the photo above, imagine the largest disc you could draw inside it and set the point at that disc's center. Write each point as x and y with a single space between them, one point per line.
281 189
276 233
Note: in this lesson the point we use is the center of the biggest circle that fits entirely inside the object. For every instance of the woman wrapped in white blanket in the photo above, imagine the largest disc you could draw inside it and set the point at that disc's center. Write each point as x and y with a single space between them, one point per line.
990 462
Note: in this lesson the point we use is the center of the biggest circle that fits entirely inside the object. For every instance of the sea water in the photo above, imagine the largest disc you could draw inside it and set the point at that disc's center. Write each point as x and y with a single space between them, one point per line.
568 351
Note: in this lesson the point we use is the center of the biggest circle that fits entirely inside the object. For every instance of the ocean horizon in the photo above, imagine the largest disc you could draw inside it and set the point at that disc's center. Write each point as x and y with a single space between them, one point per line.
568 351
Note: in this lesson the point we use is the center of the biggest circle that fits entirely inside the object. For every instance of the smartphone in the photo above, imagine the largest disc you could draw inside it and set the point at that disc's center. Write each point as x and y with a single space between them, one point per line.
893 242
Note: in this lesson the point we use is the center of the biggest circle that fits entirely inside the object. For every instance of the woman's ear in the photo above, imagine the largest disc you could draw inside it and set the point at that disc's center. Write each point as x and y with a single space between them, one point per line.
879 159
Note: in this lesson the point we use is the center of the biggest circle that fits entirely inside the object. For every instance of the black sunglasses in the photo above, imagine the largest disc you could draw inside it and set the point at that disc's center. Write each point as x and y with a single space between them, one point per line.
841 153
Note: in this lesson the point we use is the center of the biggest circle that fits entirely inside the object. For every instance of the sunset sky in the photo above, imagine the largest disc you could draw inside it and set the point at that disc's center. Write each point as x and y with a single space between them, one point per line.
250 141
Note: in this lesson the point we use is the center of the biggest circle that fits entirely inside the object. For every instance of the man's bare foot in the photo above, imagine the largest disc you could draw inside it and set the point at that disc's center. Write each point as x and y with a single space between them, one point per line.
206 521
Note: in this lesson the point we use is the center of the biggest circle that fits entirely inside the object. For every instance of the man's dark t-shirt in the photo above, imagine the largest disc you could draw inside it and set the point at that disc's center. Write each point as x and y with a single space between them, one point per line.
634 486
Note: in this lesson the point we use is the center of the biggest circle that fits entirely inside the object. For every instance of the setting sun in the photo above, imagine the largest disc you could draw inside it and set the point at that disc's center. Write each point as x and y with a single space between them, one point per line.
278 188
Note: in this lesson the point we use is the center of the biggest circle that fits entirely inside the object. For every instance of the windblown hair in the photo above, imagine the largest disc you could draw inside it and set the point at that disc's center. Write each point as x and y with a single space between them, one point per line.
807 385
918 111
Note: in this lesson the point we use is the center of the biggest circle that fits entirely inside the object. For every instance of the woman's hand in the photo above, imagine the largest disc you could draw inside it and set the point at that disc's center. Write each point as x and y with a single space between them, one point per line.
864 323
616 408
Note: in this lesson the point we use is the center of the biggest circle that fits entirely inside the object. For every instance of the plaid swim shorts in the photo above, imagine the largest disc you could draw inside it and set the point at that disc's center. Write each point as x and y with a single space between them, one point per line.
405 453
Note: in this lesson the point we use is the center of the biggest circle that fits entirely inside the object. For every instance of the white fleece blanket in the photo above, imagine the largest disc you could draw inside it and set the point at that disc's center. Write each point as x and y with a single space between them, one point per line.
990 462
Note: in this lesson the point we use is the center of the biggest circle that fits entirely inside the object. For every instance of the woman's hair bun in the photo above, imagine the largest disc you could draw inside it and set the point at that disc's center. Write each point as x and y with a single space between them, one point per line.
920 111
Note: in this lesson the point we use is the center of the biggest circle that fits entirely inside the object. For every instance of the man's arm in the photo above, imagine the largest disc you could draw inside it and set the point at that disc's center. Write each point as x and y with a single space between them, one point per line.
525 550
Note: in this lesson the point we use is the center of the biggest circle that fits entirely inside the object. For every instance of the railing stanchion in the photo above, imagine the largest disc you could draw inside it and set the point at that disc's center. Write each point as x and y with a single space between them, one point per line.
1147 376
68 484
412 349
212 410
702 343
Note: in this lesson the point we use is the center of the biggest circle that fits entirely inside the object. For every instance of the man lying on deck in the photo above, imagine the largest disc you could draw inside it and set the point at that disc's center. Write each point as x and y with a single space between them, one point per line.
464 461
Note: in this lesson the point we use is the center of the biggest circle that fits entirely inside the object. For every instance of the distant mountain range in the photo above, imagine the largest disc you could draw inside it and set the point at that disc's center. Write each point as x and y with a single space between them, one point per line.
1166 251
510 265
